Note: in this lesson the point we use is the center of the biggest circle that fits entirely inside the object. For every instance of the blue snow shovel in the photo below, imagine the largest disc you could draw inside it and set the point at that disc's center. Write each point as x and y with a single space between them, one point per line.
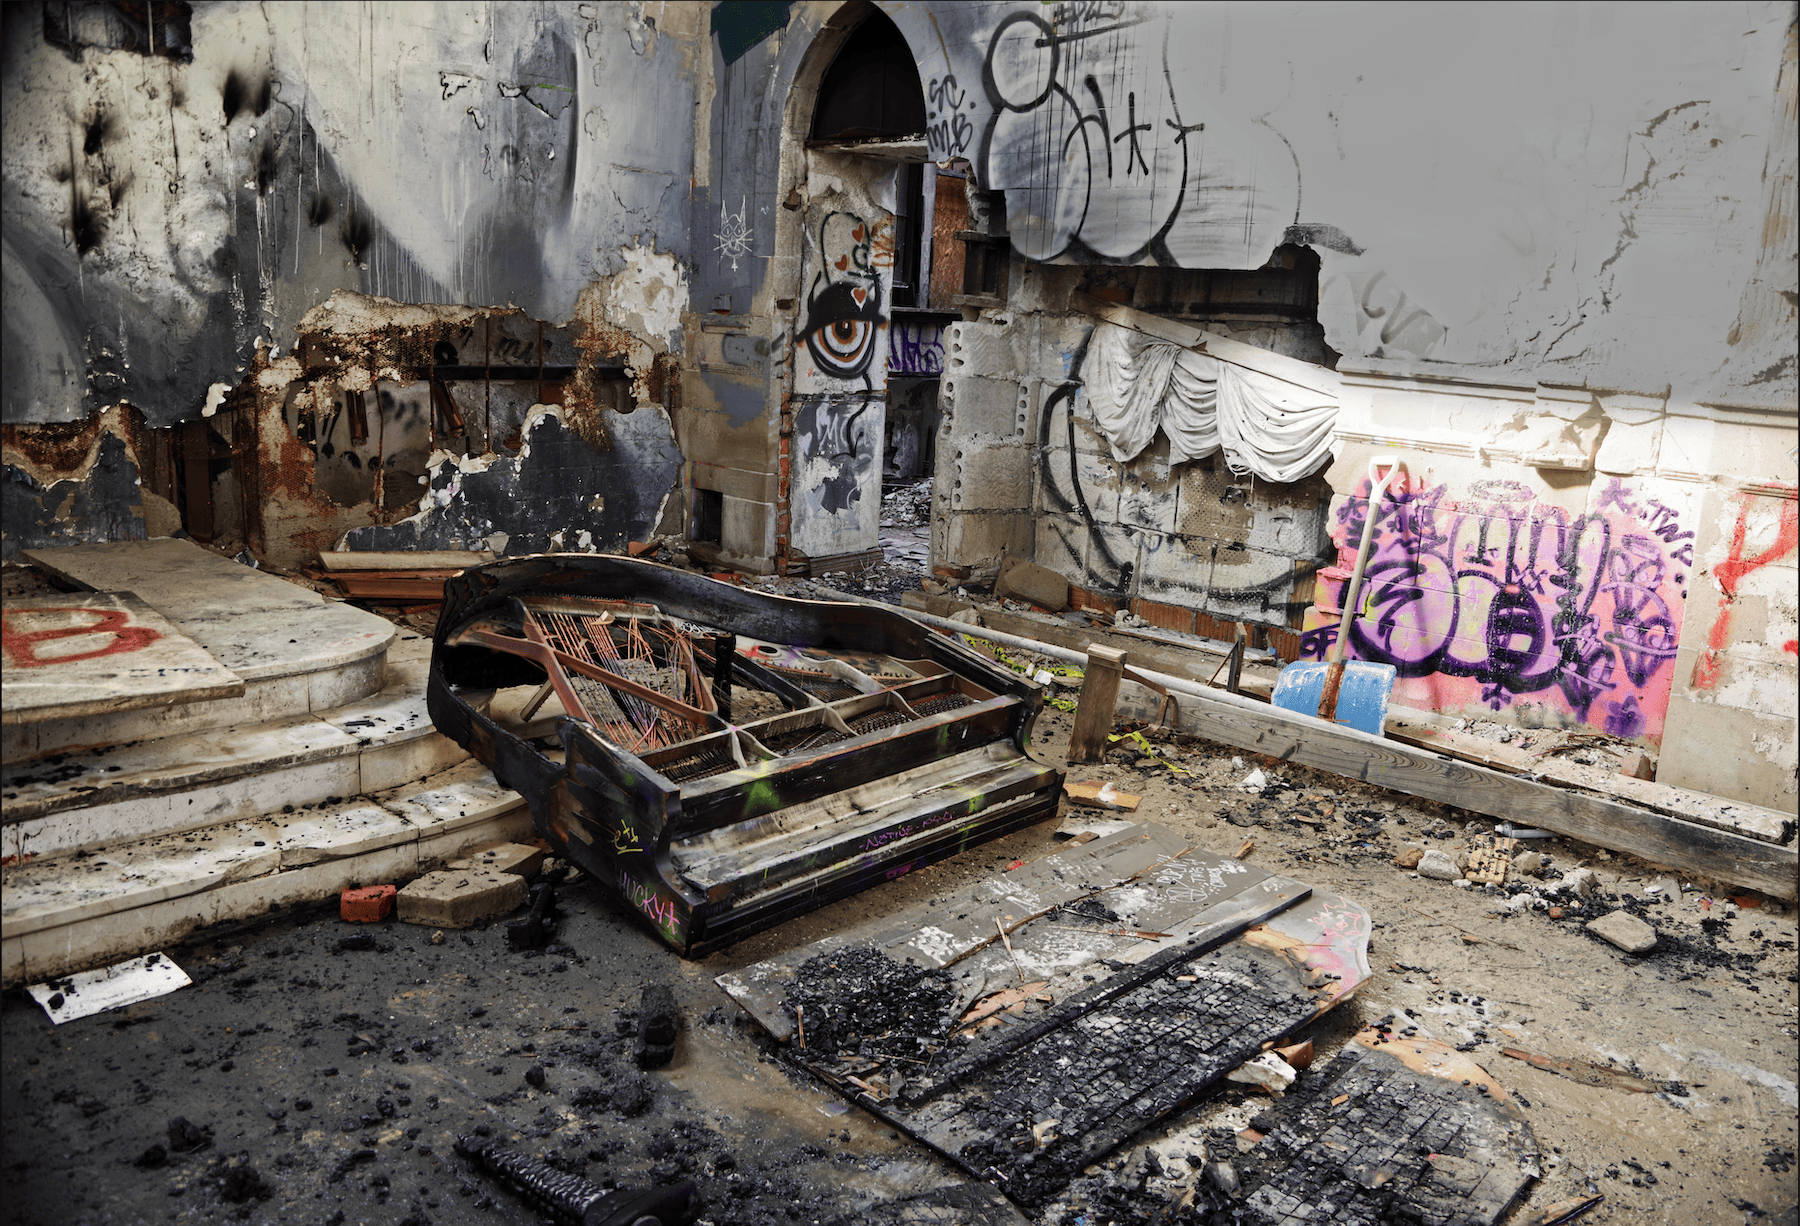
1354 692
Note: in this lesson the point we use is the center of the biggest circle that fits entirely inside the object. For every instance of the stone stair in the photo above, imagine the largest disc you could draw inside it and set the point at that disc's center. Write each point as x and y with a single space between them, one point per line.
126 825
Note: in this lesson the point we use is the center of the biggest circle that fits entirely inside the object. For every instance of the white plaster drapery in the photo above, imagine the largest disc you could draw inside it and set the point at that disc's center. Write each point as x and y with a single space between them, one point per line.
1277 430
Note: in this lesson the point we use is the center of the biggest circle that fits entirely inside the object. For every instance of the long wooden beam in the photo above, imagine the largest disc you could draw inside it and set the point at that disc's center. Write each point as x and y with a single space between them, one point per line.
1243 723
1657 837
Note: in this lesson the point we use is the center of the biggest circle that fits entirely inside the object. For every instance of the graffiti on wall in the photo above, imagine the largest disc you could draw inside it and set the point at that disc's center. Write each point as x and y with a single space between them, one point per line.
1099 157
1730 574
1497 596
840 373
844 320
915 347
1119 529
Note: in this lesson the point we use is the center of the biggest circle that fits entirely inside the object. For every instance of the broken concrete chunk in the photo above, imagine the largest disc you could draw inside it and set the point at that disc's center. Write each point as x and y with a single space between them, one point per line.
1625 930
1268 1070
460 899
1580 881
1530 863
1439 867
521 859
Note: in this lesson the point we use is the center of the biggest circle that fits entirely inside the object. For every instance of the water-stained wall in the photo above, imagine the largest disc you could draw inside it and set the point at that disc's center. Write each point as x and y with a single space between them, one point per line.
178 198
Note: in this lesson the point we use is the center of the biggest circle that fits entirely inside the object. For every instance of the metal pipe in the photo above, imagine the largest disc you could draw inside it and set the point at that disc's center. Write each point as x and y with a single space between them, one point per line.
1180 685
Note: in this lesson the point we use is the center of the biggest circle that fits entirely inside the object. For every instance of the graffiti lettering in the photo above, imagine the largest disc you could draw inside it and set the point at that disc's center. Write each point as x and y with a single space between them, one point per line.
1521 598
651 902
948 130
915 349
112 626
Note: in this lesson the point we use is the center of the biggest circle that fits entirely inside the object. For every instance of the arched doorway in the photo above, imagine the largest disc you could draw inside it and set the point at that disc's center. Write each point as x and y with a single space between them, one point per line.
853 163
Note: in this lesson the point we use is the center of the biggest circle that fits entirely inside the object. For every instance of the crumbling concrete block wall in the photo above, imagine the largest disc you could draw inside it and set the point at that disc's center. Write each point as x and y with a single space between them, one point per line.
181 194
1589 375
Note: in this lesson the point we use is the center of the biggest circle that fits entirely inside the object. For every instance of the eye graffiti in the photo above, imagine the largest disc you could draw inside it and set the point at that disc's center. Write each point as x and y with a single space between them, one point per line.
843 308
842 322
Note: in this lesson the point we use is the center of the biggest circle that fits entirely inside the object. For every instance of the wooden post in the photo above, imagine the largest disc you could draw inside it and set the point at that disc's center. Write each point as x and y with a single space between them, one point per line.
1094 713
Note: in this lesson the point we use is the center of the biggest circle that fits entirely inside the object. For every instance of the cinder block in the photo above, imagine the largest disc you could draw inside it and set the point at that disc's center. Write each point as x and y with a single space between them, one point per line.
520 859
369 905
460 898
1033 583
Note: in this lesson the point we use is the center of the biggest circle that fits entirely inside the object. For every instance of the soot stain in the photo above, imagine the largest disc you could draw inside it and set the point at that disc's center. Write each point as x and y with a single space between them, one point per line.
267 166
357 233
86 227
319 210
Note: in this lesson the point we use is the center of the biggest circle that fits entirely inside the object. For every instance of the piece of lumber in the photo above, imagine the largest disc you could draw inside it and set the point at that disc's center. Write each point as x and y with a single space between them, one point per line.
1736 817
1101 796
452 560
1094 712
1660 838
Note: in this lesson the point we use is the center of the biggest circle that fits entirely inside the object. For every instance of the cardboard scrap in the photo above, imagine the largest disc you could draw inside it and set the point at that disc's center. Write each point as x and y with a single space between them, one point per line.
110 987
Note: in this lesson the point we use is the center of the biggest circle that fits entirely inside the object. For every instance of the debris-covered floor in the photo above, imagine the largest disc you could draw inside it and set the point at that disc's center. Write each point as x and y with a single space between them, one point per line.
320 1072
341 1077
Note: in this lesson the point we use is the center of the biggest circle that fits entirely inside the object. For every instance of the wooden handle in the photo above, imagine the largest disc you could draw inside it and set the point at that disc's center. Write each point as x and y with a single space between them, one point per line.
1328 697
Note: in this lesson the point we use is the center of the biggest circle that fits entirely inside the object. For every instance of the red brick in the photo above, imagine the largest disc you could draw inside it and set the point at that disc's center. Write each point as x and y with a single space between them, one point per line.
1081 598
368 905
1168 616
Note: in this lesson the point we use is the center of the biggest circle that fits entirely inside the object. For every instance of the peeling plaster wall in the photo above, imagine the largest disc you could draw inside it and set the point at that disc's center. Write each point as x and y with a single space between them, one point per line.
171 221
80 488
556 495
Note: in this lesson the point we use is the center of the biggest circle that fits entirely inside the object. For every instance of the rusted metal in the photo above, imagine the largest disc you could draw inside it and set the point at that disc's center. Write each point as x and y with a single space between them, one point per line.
711 828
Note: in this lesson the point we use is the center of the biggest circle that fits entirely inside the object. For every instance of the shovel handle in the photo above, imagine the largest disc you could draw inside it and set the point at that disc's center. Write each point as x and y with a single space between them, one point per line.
1328 697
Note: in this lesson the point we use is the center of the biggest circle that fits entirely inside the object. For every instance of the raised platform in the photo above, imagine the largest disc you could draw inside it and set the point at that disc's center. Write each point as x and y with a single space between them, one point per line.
87 655
291 651
70 912
134 790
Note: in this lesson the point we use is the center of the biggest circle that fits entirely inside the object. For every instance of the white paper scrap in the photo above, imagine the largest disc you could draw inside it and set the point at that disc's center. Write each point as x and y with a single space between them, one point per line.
111 987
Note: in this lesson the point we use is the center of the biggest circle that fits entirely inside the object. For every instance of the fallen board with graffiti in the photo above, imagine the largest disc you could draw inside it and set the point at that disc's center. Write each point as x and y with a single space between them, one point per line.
72 655
1492 598
726 759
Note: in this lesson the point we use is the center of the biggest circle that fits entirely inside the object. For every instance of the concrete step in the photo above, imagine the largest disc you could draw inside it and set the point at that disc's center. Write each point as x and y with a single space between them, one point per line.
83 909
173 784
295 652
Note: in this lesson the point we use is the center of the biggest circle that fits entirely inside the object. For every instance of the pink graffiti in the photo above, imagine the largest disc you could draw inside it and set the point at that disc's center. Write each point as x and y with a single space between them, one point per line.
1496 598
647 899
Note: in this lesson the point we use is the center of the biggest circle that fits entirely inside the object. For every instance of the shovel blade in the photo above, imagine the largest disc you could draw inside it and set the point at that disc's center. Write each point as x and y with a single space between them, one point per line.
1362 697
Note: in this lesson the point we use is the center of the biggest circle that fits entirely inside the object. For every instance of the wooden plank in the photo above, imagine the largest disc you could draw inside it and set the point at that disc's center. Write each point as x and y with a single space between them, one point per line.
1752 821
1094 713
1657 837
403 560
1101 796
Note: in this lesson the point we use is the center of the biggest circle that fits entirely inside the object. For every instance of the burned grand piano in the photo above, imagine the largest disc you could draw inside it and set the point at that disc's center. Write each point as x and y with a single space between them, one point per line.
727 759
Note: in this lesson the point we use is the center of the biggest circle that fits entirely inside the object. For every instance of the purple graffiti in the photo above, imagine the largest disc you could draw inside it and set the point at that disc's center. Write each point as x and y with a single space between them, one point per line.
1519 596
915 348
